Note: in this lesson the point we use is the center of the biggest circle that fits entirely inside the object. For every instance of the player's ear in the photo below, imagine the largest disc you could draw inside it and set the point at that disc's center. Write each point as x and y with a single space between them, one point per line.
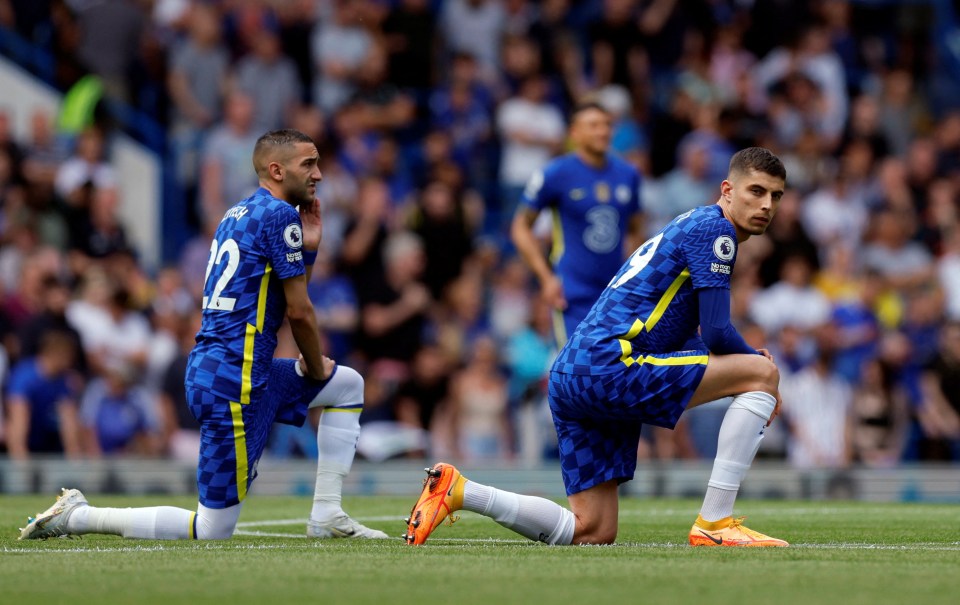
726 188
276 171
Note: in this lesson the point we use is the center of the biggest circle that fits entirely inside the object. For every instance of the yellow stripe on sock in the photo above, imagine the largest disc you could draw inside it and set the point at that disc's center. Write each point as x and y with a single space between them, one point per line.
193 525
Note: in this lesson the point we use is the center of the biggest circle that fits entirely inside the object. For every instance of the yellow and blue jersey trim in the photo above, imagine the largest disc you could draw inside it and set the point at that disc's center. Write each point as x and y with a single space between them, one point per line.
626 346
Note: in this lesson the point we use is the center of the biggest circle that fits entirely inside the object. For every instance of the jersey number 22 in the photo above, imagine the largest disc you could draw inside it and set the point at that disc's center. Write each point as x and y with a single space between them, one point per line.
231 250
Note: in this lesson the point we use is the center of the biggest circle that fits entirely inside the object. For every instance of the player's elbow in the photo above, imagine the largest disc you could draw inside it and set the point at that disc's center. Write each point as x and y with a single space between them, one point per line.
299 312
520 228
715 340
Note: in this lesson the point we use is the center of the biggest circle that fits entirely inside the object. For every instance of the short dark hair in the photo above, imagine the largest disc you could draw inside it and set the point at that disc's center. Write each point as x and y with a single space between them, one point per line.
276 139
586 106
759 159
56 340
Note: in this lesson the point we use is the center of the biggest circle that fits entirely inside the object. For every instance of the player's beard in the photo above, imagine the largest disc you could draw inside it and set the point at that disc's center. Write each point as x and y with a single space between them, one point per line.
302 195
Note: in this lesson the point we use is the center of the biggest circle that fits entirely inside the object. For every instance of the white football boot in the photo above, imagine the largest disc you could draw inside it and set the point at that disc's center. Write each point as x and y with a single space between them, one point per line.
52 523
342 526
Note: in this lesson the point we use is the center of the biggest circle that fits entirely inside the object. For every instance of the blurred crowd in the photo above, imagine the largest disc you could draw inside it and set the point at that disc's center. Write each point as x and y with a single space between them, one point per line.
430 117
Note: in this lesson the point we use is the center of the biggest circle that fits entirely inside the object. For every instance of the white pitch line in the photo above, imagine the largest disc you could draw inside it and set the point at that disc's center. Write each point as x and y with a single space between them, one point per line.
179 547
176 546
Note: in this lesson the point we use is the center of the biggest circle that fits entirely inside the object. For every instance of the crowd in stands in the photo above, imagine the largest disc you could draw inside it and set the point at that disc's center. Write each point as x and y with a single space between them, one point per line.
430 116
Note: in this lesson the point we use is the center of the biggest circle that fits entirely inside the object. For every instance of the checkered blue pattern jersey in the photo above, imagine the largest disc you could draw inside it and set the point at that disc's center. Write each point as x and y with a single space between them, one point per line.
650 305
591 213
257 244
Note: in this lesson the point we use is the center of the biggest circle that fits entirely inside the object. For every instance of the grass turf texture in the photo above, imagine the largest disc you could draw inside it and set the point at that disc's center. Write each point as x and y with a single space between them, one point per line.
849 553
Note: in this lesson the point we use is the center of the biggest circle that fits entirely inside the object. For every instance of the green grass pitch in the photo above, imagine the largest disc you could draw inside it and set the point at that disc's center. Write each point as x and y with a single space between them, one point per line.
845 553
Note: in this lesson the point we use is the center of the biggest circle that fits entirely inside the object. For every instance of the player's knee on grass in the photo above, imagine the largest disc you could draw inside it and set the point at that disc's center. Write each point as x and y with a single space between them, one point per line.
595 531
345 388
216 523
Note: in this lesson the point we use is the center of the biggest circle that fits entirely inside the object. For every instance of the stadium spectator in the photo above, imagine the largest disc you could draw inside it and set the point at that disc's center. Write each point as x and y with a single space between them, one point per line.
940 412
225 168
616 48
197 81
119 417
111 35
881 416
484 19
532 130
683 188
42 402
410 36
180 431
438 219
335 302
480 406
265 63
394 309
88 166
423 398
339 47
818 408
791 301
52 318
112 332
529 351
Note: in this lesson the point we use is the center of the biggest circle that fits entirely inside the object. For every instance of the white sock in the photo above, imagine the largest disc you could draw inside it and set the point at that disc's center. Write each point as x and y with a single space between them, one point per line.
539 519
737 444
342 400
151 523
217 523
336 444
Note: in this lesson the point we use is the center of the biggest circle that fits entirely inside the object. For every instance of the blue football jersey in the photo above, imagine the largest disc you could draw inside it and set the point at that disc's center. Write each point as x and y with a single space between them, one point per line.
258 243
650 305
591 212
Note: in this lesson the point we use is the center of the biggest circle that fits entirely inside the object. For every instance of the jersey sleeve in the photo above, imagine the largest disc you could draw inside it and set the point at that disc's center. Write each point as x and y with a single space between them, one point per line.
282 241
538 194
711 250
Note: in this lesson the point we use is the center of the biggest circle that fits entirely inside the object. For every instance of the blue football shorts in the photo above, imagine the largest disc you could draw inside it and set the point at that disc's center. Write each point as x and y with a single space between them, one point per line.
598 418
233 435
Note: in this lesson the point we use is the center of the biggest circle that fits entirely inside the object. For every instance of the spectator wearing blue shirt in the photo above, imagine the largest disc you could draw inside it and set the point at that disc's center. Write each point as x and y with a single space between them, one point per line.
41 401
119 417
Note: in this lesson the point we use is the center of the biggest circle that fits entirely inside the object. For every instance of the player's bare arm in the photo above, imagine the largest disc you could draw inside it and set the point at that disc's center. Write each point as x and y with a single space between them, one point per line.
303 325
521 232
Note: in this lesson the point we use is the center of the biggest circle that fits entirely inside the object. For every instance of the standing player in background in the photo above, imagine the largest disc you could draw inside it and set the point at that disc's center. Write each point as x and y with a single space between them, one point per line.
260 261
595 199
638 358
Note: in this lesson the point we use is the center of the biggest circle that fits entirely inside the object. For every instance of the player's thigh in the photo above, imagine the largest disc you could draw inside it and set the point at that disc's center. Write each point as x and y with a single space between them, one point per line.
222 464
728 375
594 448
596 511
289 395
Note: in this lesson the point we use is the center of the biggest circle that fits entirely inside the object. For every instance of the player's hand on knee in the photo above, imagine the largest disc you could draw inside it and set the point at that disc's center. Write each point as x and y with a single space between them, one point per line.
766 353
776 409
328 365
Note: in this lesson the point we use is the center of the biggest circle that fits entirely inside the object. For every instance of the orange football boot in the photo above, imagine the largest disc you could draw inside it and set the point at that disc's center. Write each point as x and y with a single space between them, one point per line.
729 532
442 495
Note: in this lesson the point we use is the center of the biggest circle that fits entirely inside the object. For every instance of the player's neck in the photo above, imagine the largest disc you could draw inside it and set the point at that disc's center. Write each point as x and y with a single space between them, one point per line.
742 235
274 189
596 160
